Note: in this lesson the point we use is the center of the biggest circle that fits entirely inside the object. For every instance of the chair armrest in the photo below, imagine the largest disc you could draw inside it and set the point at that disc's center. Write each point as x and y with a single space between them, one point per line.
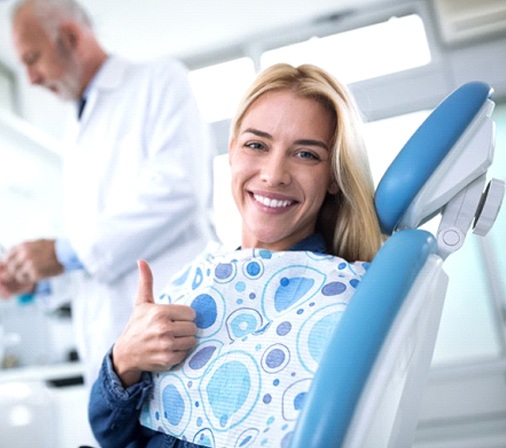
358 338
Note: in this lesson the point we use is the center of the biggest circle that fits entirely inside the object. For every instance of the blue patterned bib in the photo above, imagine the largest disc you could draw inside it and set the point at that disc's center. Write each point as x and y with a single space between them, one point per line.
263 319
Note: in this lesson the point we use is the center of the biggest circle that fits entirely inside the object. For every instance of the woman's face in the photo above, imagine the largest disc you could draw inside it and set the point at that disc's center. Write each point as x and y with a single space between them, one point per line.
280 164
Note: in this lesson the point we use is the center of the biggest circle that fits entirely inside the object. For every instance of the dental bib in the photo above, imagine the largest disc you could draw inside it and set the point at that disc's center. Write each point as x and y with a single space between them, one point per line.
263 319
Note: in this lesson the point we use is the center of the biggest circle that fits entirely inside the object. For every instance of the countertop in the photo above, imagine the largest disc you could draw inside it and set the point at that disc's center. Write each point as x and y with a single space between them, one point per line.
52 372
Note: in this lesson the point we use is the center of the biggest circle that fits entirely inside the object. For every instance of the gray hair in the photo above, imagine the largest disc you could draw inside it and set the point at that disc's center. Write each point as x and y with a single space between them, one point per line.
51 13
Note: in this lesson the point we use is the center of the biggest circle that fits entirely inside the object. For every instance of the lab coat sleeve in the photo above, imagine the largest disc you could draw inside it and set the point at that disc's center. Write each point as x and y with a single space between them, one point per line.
66 255
173 190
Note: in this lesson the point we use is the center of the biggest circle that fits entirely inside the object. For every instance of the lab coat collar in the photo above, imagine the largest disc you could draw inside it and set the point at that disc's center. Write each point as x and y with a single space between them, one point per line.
110 75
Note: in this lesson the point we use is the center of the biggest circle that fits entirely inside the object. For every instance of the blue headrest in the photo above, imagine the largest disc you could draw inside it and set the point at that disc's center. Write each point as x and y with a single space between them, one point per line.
425 150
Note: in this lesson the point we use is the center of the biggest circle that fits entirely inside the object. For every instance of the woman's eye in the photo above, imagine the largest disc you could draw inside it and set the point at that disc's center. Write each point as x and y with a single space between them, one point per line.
254 145
308 155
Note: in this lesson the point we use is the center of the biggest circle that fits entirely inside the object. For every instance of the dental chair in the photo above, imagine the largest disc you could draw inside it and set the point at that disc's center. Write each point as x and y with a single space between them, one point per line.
369 385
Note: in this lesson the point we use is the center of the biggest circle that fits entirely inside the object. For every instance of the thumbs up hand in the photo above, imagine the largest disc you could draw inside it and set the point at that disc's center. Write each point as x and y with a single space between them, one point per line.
156 337
145 291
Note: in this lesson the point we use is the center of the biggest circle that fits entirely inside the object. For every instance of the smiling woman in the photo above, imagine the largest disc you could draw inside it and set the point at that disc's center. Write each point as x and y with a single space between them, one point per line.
319 109
235 339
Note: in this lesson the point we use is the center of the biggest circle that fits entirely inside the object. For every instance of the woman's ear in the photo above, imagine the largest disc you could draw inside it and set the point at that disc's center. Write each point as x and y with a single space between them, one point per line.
333 187
231 145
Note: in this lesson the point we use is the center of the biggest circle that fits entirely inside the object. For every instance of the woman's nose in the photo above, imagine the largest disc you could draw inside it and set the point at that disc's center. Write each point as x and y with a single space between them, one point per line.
275 170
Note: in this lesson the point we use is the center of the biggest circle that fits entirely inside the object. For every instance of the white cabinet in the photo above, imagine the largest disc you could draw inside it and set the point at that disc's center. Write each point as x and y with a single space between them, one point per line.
36 412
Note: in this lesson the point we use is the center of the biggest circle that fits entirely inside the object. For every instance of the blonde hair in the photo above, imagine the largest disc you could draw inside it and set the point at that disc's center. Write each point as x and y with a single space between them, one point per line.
347 219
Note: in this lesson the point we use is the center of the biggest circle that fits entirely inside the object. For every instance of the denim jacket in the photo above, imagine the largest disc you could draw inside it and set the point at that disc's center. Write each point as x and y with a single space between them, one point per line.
114 411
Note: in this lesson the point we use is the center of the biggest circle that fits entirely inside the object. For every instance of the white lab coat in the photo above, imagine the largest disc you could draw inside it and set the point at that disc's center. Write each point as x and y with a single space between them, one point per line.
137 179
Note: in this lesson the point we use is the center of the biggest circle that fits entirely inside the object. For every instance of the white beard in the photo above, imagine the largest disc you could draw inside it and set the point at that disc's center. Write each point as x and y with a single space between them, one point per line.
68 87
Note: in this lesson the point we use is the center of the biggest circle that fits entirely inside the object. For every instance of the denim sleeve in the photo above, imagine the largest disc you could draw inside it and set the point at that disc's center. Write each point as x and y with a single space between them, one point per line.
113 411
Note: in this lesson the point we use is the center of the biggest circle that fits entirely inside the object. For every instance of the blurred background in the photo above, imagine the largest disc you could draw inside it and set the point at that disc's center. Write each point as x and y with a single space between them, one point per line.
399 57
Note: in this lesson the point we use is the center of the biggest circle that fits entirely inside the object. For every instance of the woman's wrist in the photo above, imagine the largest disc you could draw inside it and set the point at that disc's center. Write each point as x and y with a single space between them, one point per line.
127 374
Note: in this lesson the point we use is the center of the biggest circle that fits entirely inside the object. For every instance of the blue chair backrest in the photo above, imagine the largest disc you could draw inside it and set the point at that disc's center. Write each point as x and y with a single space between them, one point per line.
425 151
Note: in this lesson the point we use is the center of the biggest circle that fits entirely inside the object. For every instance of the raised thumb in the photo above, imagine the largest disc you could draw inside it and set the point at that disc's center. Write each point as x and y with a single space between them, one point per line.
145 290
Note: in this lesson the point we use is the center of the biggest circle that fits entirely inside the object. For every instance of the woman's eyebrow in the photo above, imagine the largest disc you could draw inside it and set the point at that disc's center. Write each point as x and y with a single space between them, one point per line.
304 141
309 142
257 132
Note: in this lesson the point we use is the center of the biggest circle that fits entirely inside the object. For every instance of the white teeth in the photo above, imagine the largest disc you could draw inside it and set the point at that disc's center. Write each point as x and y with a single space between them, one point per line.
274 203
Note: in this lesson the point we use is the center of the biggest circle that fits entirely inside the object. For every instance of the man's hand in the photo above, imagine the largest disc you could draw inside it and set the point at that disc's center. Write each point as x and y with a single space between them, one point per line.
31 261
9 286
156 337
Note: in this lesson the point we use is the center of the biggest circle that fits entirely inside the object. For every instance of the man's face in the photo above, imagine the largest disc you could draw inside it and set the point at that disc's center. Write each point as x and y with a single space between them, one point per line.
49 63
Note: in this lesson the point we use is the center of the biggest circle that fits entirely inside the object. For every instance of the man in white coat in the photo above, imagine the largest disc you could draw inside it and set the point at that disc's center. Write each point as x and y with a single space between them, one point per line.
137 174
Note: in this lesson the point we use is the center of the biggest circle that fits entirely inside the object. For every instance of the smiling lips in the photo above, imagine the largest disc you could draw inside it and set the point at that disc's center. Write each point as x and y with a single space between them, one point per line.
273 203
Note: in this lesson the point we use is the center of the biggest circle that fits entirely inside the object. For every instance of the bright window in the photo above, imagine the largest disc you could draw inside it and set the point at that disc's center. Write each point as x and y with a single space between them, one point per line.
397 44
218 88
363 53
